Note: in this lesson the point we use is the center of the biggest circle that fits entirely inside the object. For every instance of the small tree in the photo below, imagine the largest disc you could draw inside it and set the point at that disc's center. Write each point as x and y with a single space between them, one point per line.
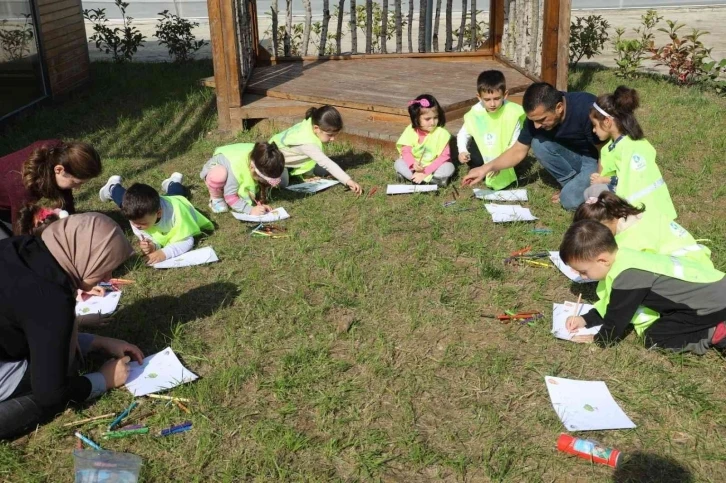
16 42
123 43
176 33
630 53
587 37
377 13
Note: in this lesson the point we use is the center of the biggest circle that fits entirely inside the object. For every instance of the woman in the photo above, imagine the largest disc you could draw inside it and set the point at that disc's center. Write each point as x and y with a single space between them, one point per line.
45 169
39 342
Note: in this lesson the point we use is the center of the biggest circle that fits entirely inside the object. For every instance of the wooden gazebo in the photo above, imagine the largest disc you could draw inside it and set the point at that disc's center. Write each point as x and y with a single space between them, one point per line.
526 39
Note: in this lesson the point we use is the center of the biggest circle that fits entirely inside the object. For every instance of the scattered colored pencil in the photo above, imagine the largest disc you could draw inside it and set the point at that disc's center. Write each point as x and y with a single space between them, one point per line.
182 407
578 306
88 420
123 415
88 441
124 434
168 398
180 428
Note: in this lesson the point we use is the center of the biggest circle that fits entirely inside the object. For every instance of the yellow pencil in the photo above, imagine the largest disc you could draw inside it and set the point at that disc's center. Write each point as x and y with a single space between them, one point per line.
577 305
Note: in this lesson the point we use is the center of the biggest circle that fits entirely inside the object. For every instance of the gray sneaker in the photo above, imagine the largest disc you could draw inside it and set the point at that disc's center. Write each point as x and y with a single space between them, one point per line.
105 192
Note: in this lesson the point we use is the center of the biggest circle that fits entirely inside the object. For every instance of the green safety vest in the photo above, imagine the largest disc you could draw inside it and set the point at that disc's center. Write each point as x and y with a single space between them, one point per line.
184 223
238 156
300 133
425 153
681 268
492 133
639 179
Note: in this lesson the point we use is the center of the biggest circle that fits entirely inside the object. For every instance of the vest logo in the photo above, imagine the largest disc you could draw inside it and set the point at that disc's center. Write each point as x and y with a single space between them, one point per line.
490 139
677 229
637 162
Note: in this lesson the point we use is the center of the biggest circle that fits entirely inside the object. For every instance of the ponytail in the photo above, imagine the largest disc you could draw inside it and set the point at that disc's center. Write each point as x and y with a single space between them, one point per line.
608 206
620 105
326 118
79 160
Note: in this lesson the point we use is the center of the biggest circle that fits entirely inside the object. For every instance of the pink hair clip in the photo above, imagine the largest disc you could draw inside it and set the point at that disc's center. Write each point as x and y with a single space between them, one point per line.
273 182
421 102
591 200
44 213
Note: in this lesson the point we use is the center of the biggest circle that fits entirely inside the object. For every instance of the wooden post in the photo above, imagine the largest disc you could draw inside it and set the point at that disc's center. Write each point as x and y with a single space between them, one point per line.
226 61
563 45
496 25
550 47
422 26
339 33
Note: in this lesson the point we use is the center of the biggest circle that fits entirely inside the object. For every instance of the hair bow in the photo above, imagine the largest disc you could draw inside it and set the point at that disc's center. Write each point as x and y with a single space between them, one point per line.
421 102
591 200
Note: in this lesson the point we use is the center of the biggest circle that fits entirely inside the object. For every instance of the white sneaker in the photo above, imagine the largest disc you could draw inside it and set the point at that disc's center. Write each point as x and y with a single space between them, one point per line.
105 192
218 205
175 177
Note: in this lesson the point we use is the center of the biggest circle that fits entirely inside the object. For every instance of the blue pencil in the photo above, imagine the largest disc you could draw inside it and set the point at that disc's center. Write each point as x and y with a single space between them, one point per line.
89 442
123 415
180 428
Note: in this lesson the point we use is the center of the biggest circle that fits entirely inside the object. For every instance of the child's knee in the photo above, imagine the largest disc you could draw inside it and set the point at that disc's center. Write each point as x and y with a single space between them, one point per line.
217 177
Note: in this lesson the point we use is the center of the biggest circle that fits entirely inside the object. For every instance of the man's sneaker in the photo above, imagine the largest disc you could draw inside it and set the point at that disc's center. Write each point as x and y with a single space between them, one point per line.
175 178
218 205
105 192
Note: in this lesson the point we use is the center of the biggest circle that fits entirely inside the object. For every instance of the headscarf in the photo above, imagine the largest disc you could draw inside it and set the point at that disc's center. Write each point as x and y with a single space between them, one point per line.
87 246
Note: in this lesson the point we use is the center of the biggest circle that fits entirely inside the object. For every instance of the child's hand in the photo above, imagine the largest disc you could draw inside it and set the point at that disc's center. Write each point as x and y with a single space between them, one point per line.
595 178
260 210
583 339
155 257
573 324
419 177
354 187
417 168
464 157
116 371
147 246
117 348
97 291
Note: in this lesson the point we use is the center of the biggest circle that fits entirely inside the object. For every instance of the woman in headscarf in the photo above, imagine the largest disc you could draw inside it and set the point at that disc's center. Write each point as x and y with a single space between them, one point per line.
40 346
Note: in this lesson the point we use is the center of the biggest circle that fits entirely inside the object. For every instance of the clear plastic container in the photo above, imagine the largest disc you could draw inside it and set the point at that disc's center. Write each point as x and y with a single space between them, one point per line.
92 466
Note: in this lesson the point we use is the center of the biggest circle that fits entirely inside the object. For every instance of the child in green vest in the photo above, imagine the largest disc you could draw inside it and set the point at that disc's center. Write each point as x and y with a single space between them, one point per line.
627 163
424 144
238 175
165 225
302 146
690 297
490 127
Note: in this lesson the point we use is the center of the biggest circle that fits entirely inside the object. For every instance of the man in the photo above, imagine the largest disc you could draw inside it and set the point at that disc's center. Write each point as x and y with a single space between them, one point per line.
559 130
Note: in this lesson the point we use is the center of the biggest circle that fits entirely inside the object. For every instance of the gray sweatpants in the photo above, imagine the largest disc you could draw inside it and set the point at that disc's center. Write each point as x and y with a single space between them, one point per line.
443 172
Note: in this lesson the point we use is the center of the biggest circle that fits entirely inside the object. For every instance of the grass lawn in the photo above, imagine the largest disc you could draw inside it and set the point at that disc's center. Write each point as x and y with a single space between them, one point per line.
421 387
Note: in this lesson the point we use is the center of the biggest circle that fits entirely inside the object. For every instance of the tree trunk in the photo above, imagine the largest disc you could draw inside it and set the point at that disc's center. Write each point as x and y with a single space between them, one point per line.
339 33
288 27
449 45
473 44
369 26
410 25
353 29
399 29
384 27
422 26
436 26
308 25
324 28
274 28
460 40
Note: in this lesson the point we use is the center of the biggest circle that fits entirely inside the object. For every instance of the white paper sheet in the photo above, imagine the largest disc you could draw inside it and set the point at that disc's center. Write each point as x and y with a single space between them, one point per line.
569 272
405 189
106 304
159 372
275 215
585 405
313 186
200 256
560 312
509 213
505 195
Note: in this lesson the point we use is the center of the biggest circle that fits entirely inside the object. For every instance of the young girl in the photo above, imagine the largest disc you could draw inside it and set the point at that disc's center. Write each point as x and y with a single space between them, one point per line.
628 163
424 144
302 146
46 169
690 297
33 219
236 173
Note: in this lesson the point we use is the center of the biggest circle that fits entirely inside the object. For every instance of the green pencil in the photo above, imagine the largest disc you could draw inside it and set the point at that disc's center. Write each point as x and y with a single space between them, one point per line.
123 434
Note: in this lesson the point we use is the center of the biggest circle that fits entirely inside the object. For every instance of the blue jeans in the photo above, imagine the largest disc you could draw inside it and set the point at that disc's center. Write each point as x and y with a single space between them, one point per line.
118 192
570 169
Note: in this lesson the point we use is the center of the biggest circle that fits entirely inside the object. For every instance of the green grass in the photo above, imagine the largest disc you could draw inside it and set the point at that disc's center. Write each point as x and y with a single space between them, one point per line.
419 387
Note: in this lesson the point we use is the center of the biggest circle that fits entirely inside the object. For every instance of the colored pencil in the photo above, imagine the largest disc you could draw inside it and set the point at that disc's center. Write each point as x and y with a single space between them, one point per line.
88 420
88 441
123 415
124 434
578 306
168 398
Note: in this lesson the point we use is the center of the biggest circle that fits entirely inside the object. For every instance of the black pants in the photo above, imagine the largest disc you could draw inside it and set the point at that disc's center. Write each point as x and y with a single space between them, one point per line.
6 227
682 331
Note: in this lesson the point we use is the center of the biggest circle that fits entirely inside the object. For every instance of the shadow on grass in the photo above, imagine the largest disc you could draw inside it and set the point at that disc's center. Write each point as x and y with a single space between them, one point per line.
647 467
582 76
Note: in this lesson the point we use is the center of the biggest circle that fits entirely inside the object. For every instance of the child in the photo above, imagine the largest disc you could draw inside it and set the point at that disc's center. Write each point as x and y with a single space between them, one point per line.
424 144
627 164
33 219
493 124
302 146
691 298
253 168
165 225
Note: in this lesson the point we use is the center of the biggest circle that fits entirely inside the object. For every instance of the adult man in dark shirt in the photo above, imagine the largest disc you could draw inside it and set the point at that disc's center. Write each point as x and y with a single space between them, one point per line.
559 130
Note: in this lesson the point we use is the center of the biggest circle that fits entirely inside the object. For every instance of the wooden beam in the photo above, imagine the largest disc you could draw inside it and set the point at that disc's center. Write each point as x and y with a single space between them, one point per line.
219 61
228 9
550 40
485 52
501 58
563 45
496 25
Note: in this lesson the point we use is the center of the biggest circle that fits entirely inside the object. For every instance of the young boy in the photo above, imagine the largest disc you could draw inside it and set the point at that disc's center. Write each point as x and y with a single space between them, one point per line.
494 124
690 297
165 225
